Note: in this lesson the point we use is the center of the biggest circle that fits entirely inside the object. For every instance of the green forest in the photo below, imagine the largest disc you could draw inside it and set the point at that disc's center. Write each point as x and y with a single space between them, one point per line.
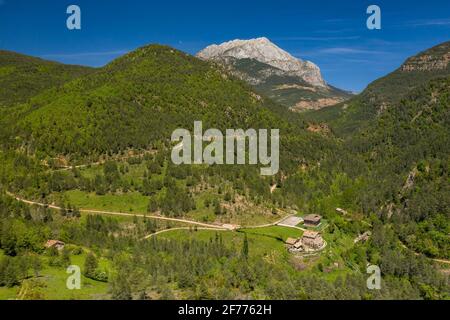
85 159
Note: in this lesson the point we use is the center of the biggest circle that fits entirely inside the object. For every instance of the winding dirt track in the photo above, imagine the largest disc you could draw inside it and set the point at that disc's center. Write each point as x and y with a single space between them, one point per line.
179 228
203 226
442 261
112 213
98 163
418 254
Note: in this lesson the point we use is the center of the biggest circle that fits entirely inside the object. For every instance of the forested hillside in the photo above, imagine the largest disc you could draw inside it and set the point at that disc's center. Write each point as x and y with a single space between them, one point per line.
137 100
99 144
408 153
399 127
385 92
22 77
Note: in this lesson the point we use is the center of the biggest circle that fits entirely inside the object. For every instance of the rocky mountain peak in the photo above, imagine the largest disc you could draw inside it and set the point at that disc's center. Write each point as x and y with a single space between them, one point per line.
263 50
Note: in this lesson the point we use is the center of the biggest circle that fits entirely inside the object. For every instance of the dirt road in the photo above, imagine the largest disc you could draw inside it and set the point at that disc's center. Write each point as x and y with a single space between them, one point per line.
123 214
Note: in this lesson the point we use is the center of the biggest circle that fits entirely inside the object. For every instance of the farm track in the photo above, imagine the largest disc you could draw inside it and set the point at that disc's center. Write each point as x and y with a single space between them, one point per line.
200 225
123 214
418 254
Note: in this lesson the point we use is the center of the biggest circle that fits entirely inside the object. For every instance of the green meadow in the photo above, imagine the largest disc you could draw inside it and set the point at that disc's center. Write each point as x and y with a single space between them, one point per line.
50 284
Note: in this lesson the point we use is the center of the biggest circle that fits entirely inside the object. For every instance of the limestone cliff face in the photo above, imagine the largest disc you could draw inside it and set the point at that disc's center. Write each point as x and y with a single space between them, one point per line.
263 50
292 82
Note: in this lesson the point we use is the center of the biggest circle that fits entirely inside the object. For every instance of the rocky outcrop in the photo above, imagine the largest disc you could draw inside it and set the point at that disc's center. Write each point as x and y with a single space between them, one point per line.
292 82
316 104
427 63
263 50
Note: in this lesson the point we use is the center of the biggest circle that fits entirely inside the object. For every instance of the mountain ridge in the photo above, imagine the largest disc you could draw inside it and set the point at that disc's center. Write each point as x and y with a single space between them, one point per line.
272 71
385 92
23 76
263 50
152 87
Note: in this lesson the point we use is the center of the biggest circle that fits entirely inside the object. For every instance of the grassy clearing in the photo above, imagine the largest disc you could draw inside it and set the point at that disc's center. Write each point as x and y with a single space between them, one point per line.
330 264
268 243
91 171
132 202
136 203
261 243
247 214
277 232
51 283
135 172
252 218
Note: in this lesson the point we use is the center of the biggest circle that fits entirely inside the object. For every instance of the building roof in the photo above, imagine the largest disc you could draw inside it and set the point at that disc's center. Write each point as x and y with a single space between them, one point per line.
312 217
291 241
310 234
51 243
298 245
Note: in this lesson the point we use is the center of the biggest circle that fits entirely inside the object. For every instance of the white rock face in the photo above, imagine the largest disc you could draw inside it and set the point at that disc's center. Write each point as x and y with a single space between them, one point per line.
263 50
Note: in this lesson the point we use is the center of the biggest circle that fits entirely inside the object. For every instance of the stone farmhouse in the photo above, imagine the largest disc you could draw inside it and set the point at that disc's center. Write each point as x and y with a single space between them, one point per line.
310 241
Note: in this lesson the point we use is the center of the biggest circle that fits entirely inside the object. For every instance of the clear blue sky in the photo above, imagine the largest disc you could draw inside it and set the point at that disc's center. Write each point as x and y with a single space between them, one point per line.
331 33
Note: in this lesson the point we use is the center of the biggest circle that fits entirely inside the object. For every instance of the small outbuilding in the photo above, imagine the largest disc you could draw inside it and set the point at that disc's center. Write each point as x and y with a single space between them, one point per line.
291 241
59 245
312 220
